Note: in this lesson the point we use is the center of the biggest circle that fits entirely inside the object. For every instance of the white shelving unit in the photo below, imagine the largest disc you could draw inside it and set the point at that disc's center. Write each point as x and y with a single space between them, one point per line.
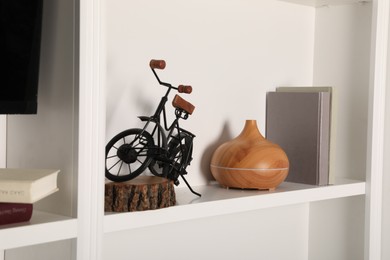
25 234
325 3
216 201
90 225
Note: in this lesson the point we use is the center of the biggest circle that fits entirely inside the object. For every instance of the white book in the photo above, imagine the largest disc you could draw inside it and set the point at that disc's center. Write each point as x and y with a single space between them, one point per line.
27 185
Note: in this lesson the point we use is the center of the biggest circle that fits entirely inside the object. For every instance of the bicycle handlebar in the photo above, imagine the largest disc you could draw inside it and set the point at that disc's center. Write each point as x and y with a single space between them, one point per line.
157 64
160 64
184 89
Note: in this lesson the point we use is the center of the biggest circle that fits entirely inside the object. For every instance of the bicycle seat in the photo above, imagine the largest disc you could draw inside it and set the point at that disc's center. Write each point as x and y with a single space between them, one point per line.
180 103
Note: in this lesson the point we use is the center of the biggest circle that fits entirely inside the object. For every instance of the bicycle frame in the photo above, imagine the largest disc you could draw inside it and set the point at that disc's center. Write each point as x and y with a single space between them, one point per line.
156 118
165 149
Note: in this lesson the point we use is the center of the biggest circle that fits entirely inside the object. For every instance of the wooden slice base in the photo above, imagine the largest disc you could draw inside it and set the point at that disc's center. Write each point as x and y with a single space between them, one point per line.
141 193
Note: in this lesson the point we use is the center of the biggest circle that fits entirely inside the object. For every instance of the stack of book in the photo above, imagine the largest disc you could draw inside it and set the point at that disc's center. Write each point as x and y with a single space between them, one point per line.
299 120
20 188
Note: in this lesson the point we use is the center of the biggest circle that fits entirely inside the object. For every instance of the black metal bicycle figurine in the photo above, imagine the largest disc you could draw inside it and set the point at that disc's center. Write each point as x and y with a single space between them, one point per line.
165 150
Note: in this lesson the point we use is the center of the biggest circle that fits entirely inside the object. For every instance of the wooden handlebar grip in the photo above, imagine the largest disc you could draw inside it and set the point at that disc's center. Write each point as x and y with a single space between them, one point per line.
184 89
157 64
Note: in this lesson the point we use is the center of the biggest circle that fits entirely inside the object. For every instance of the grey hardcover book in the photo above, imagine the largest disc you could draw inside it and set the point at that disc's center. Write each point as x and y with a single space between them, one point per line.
300 123
333 115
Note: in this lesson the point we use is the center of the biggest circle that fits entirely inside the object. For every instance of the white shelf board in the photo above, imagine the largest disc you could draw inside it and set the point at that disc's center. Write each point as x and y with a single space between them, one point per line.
42 228
321 3
219 201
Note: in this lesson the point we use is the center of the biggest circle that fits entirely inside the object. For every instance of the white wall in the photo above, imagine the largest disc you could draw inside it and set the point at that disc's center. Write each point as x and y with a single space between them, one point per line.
231 52
59 250
336 229
342 60
262 234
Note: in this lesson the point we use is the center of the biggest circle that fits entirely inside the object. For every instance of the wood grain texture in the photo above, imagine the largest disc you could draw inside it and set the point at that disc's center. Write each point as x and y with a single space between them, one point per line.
179 102
249 161
141 193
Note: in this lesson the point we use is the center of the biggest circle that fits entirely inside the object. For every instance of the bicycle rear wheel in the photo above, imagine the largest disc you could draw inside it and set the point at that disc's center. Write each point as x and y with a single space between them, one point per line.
180 154
127 154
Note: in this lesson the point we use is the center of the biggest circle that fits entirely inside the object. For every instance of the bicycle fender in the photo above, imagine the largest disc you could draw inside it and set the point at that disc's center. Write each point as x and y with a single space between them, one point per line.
144 118
187 132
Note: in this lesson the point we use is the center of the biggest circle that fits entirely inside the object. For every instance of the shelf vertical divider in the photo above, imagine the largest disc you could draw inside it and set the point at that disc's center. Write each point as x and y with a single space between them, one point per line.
3 154
91 133
380 25
3 141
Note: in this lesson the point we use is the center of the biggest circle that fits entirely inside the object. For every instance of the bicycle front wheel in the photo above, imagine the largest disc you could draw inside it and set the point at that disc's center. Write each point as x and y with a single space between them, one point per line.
127 154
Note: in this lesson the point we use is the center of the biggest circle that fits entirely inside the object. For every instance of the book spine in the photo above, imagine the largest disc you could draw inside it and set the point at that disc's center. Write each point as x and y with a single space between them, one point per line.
15 212
323 139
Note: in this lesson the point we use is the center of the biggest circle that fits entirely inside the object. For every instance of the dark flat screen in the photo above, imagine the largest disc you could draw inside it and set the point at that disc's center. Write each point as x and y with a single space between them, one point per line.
20 38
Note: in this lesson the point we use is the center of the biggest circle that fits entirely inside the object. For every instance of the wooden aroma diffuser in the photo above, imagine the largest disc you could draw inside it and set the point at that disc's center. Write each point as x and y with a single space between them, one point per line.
249 161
